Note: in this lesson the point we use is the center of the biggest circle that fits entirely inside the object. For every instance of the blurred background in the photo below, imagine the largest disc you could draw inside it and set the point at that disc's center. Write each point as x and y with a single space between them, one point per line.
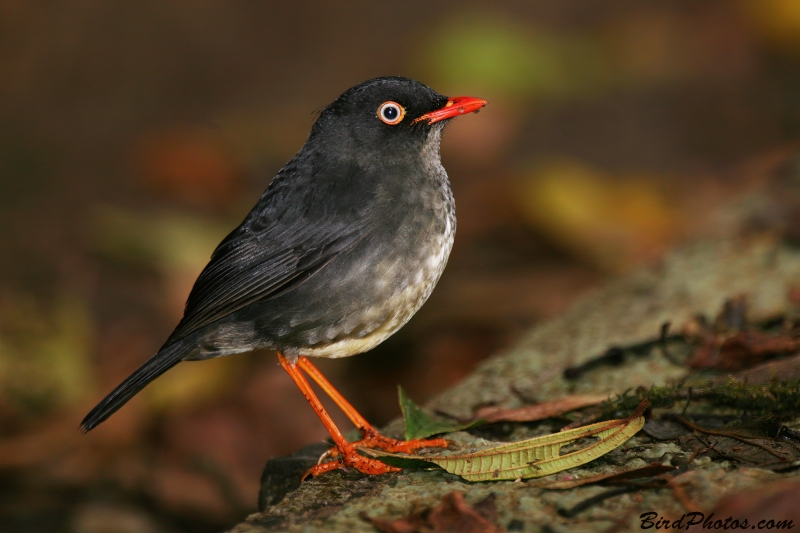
134 136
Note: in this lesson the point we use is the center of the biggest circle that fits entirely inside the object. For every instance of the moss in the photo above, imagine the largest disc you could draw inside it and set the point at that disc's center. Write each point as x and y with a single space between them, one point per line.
777 399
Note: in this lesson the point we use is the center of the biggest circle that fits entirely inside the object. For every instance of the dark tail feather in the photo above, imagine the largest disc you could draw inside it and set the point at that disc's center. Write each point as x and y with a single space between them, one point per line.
154 367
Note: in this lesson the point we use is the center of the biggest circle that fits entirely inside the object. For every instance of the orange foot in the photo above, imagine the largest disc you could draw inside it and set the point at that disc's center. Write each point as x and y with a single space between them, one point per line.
350 457
371 439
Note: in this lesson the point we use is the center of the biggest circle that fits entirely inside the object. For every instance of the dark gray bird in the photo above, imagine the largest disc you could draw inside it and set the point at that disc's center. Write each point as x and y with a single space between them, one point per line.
340 251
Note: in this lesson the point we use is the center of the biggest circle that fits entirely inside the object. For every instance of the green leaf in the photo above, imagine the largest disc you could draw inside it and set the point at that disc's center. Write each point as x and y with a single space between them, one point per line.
402 461
420 426
534 457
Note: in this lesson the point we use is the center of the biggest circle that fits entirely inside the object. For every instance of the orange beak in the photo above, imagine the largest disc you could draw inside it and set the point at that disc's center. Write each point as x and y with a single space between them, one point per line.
455 106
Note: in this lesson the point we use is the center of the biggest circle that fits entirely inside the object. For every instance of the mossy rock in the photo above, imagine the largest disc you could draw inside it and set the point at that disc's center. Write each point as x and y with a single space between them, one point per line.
695 280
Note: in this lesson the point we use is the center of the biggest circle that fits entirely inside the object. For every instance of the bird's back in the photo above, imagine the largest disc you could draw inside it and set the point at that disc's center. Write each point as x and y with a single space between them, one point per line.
371 246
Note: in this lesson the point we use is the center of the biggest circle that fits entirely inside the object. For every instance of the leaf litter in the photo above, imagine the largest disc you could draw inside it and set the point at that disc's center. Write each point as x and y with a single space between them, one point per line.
537 457
452 515
757 350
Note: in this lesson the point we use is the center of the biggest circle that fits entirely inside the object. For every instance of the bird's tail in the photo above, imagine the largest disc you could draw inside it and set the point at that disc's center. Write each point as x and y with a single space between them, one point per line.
154 367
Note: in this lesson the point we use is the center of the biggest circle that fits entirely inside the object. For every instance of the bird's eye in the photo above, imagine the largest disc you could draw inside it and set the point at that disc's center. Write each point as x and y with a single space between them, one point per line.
391 113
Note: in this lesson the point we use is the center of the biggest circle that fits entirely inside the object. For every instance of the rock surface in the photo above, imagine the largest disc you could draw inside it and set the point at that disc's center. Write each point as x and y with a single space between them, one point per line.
694 280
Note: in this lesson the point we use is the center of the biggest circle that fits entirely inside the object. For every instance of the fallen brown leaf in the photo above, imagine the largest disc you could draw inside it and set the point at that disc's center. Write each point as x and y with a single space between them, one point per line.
741 350
540 411
784 369
452 515
775 502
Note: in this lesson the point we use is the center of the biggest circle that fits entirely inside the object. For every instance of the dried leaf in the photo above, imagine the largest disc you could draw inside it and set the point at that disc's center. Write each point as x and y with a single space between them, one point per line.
784 369
536 457
729 344
452 515
540 411
742 350
775 503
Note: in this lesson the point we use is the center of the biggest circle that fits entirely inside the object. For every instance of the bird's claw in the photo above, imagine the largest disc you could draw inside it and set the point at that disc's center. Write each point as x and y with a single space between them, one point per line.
366 465
387 444
350 458
331 452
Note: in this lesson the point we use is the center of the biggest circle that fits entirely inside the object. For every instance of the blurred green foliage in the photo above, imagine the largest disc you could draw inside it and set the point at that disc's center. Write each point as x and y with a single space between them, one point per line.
45 352
165 241
487 54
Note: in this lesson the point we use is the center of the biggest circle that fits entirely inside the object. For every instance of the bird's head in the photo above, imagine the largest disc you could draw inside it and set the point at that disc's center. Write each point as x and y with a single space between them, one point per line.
388 115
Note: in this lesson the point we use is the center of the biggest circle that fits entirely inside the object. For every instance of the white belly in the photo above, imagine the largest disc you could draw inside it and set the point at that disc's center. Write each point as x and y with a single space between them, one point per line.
402 305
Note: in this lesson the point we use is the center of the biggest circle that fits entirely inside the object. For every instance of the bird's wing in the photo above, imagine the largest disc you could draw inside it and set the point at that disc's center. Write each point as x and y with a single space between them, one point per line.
275 249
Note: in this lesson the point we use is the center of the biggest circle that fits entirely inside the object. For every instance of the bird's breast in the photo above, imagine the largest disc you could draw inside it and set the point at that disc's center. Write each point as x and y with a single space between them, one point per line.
393 278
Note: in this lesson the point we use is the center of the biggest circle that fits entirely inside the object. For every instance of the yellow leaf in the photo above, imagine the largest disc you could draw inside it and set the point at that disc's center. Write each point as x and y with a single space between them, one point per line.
536 457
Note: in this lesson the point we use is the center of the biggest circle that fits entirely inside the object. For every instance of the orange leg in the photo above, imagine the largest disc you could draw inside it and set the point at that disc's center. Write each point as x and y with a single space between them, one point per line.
347 451
349 456
371 437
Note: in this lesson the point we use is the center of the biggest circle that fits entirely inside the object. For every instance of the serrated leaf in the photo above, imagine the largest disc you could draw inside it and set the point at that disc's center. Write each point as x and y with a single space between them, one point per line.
536 457
418 425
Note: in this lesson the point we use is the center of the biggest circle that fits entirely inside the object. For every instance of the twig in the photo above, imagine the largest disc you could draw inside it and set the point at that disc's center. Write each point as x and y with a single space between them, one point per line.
690 425
681 495
697 452
615 355
662 342
594 500
707 443
688 401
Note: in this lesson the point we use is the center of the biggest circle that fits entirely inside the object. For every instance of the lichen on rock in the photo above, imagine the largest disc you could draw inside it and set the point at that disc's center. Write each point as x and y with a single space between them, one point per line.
691 281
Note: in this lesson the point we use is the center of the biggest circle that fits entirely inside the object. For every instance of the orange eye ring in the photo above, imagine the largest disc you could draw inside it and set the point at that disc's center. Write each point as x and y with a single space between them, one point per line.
391 113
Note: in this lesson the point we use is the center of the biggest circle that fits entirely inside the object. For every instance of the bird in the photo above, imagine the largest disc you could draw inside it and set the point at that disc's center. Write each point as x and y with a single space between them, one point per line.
340 251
